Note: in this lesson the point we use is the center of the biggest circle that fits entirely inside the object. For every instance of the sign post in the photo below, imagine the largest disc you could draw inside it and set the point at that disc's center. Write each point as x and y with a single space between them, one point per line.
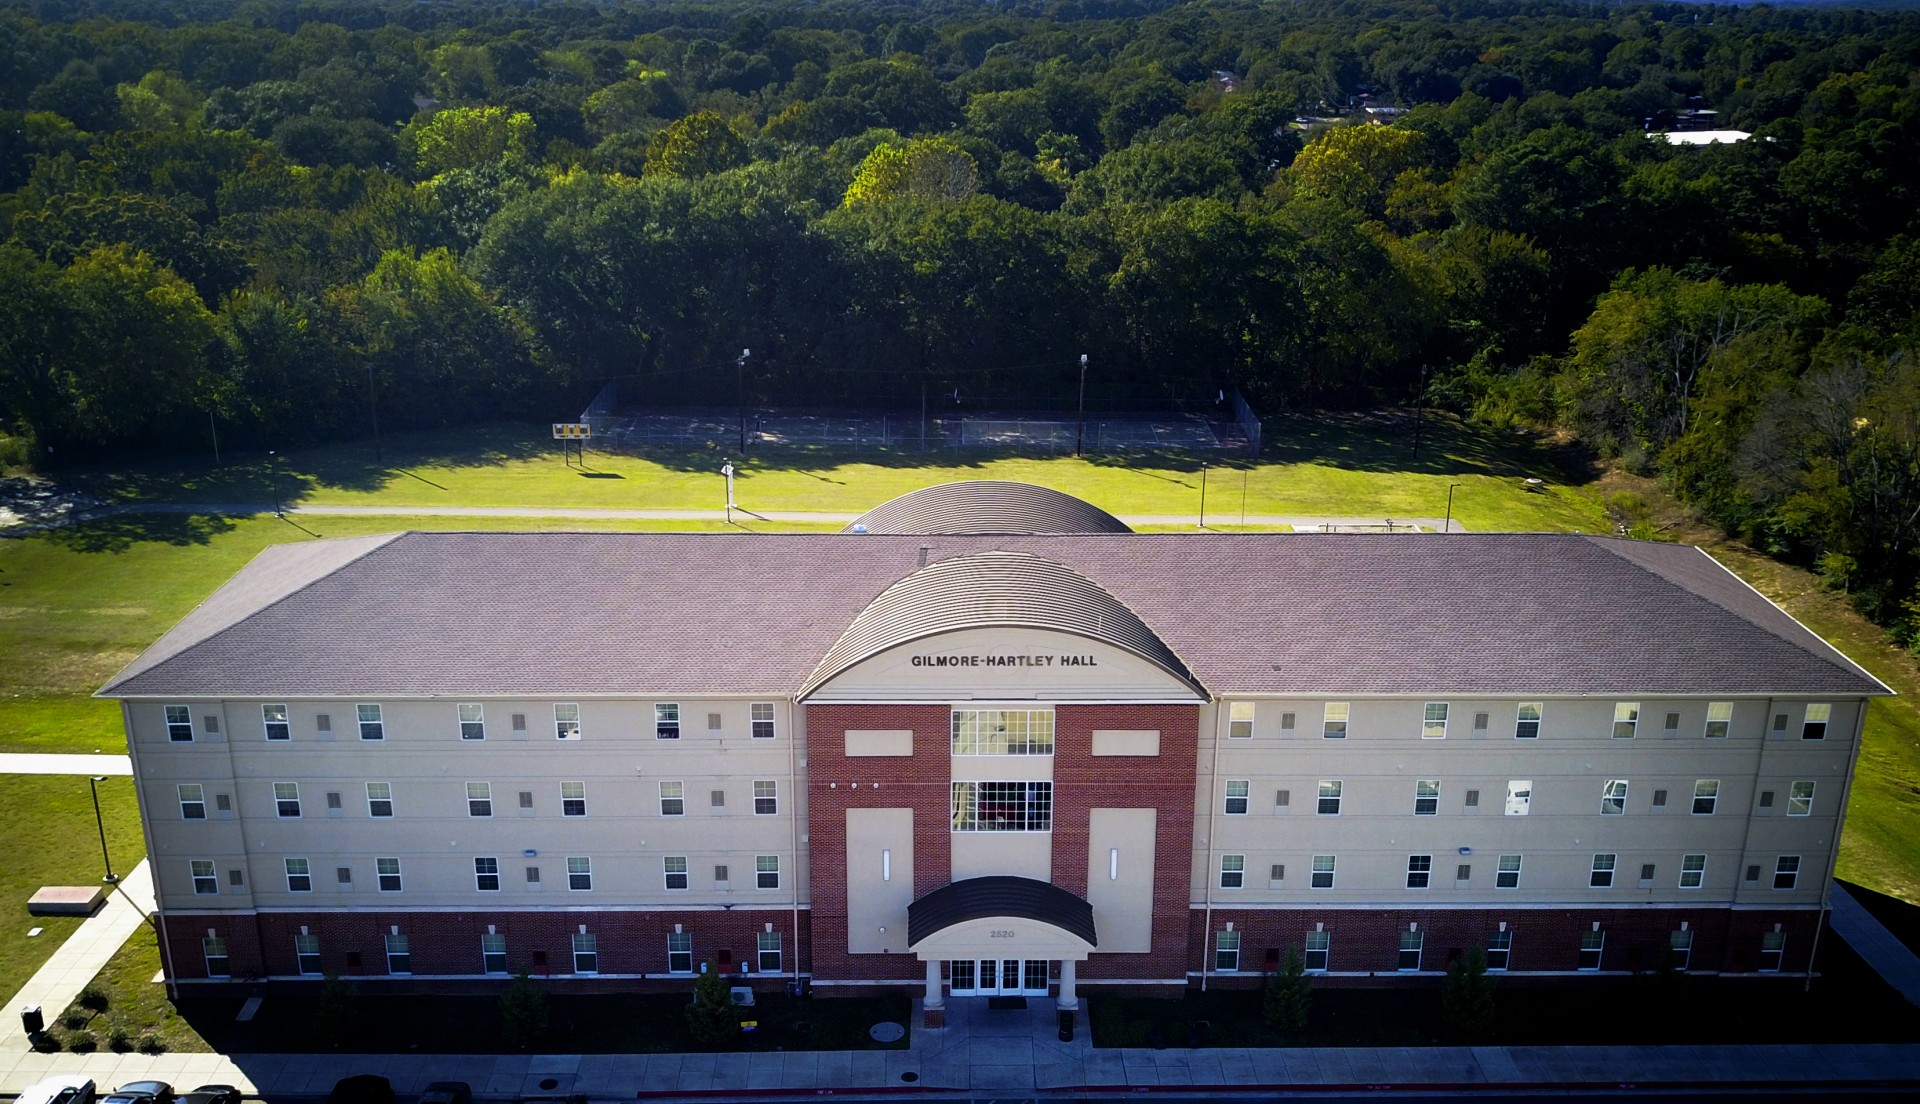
575 433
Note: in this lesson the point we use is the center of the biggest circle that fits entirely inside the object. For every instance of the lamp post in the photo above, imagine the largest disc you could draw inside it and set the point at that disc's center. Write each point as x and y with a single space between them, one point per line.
1080 434
1449 526
273 478
1203 496
740 383
94 788
727 470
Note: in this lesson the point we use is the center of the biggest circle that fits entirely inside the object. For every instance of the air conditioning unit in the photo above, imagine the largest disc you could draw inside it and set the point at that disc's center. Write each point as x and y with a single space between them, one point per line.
741 996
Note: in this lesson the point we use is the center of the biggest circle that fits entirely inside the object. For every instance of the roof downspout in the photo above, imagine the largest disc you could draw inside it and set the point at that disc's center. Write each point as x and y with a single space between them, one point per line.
793 824
1206 871
159 917
1833 853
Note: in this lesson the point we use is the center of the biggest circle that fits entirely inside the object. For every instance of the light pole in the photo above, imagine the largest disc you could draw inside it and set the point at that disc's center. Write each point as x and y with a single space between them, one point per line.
740 382
1203 496
93 787
727 470
1080 435
1449 526
273 478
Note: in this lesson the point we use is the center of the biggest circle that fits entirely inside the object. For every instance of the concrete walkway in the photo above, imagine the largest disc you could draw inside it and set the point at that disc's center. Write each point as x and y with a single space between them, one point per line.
35 762
1889 957
83 955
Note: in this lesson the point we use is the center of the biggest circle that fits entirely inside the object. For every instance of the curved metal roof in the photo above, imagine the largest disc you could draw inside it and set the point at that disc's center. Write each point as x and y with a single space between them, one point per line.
995 590
990 507
1001 895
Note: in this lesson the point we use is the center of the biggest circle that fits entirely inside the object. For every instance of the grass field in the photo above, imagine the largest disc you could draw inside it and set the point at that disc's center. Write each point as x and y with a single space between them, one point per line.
47 837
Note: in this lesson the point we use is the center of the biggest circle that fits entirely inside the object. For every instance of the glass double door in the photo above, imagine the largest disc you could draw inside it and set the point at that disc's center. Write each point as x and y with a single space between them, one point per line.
997 977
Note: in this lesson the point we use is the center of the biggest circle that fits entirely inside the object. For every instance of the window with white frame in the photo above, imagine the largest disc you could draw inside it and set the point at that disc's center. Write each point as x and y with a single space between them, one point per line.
306 953
1426 797
493 953
193 801
579 873
486 874
674 867
1319 951
1626 720
1419 871
379 799
1333 725
1240 721
214 949
1233 871
1323 871
1773 949
1226 952
372 727
666 720
1786 872
766 872
1499 951
566 721
586 953
768 945
473 721
205 879
1506 875
1411 943
1593 945
1519 796
1329 797
1706 796
399 953
1003 806
1613 797
299 876
762 724
1003 732
1800 799
1433 725
766 797
1236 797
1600 875
388 871
673 799
479 799
286 800
1693 871
1719 720
1814 726
1680 949
1526 722
573 799
179 724
273 720
679 952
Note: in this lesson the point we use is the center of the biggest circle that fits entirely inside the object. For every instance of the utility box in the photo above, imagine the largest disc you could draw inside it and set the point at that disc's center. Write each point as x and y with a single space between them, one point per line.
32 1020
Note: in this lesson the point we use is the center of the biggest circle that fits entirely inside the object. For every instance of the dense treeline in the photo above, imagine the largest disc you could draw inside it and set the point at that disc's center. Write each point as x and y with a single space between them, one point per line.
259 213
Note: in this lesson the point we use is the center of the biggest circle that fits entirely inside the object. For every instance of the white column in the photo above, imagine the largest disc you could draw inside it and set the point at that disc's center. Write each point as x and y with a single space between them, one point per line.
935 1000
1069 1000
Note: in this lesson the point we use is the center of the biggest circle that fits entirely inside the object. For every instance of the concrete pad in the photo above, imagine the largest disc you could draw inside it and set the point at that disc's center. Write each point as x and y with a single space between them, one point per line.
688 1063
66 900
546 1085
732 1074
1496 1064
509 1072
1009 1078
597 1078
999 1052
553 1063
664 1073
763 1071
836 1069
1270 1067
897 1063
1103 1067
1204 1068
1049 1076
800 1070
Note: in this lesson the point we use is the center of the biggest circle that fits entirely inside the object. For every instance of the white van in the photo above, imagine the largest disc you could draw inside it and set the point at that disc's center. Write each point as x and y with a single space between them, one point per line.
66 1089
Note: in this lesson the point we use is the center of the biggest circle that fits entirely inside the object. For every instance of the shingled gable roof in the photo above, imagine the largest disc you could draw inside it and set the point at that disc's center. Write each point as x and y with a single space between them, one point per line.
682 614
986 506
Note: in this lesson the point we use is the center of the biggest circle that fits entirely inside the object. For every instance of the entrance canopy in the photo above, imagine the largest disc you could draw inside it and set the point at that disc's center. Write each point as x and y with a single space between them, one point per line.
1000 917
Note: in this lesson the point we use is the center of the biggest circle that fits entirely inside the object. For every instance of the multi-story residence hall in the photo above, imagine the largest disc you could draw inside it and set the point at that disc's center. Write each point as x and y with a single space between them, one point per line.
988 741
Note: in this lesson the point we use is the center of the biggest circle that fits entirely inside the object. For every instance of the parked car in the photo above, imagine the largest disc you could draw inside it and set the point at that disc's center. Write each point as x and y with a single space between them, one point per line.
64 1089
212 1094
141 1092
361 1088
448 1092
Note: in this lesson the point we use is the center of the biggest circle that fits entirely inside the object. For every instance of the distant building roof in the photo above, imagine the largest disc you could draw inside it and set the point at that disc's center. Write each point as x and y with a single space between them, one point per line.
987 506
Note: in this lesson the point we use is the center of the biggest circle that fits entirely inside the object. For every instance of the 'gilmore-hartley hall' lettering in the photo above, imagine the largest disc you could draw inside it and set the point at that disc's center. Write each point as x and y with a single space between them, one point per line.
1005 661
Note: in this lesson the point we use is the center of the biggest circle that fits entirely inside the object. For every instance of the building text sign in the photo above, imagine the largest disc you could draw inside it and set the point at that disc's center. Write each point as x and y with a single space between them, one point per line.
1005 661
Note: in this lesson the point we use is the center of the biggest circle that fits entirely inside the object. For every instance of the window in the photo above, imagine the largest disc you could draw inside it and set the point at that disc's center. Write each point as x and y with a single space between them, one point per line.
766 797
299 876
1766 799
1719 720
479 799
1003 806
1329 797
193 802
1282 799
179 724
1519 797
679 953
1286 722
236 877
399 954
1236 797
371 726
1472 799
1226 952
766 872
1323 871
1680 949
1507 874
573 799
1671 728
1480 721
1601 875
323 722
517 722
273 718
1773 948
762 720
526 799
1334 724
286 799
486 874
1706 795
1276 874
388 870
214 949
1526 726
1233 871
306 953
673 799
1800 799
205 881
343 875
579 872
533 875
715 722
493 953
1426 797
1814 727
769 948
1499 950
1410 944
566 721
717 798
1463 872
586 953
666 721
1434 725
1240 721
473 722
1693 871
1419 871
1659 799
334 803
1003 732
1613 797
380 799
1626 718
1786 872
1592 945
720 875
1319 948
675 868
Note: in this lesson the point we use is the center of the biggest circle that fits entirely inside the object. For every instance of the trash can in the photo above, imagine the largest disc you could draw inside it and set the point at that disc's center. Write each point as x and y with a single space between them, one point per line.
32 1020
1066 1027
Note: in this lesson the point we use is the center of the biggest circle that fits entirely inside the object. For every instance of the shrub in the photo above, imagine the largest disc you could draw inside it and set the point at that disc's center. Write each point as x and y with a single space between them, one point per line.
120 1040
710 1018
1288 998
73 1019
523 1011
151 1044
82 1042
1467 999
333 1017
46 1043
92 999
1139 1033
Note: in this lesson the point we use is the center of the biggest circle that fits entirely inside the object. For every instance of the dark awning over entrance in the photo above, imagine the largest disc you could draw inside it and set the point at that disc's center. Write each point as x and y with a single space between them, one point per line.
978 898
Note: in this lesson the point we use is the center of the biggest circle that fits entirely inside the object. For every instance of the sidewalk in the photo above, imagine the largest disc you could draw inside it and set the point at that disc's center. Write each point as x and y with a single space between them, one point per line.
60 979
1889 957
37 762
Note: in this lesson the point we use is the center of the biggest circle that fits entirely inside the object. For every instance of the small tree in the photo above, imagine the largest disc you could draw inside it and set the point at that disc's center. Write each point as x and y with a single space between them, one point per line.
1467 999
711 1018
523 1011
333 1017
1289 995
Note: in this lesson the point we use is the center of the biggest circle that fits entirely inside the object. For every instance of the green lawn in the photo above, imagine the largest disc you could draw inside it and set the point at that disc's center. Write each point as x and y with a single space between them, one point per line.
47 837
